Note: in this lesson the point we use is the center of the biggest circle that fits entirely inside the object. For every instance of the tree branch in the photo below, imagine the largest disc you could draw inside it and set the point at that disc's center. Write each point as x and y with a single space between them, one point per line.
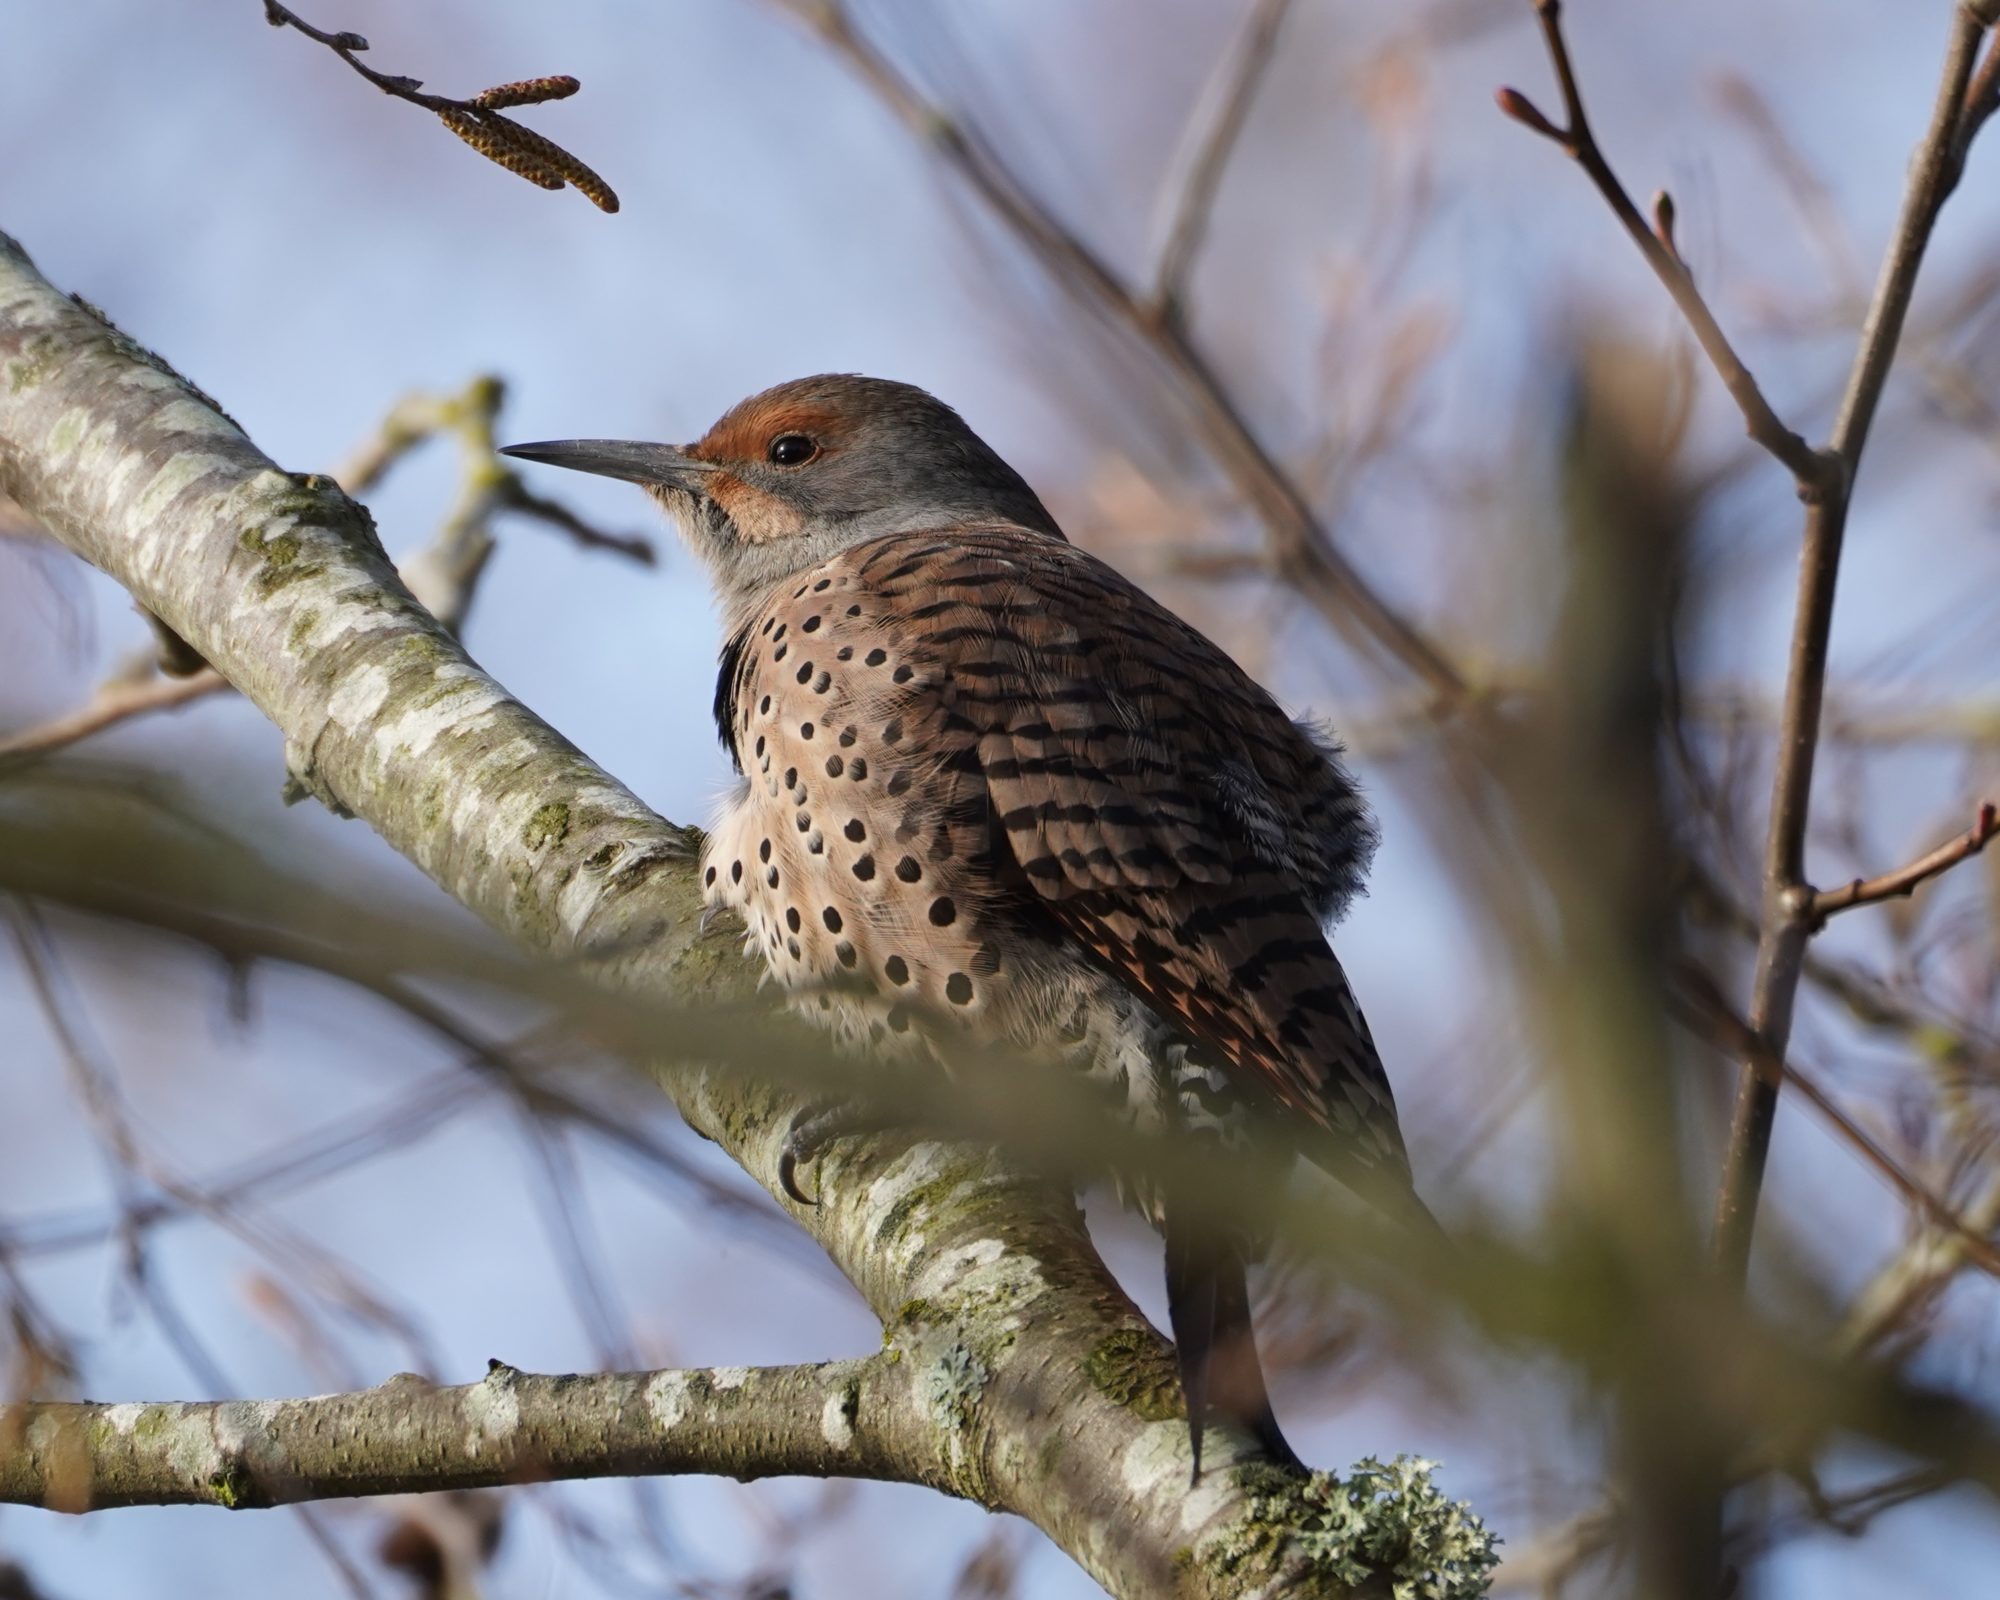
854 1419
1816 907
1813 470
118 699
1231 97
1782 944
1041 1388
503 141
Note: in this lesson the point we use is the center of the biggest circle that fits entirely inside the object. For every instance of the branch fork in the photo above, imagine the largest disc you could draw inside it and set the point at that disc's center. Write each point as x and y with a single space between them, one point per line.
1816 472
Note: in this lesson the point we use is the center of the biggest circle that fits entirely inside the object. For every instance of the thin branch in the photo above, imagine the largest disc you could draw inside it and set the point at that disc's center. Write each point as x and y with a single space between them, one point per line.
1226 107
861 1418
1698 1002
118 699
1816 907
444 574
517 496
476 121
1782 945
1814 471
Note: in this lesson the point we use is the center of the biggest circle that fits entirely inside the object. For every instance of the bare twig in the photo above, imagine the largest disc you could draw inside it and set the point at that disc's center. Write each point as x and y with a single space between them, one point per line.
1814 471
1782 945
517 496
117 700
444 574
1699 1003
1225 108
1982 99
1816 907
477 121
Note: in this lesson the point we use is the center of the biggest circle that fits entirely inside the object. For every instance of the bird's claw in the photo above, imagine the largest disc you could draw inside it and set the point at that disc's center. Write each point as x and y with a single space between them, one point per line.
811 1132
788 1172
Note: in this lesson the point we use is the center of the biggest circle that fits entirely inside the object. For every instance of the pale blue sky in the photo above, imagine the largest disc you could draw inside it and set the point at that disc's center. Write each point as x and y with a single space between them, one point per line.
307 250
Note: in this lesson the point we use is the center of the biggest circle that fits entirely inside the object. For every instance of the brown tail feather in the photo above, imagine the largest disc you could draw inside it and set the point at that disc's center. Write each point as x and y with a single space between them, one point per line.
1208 1304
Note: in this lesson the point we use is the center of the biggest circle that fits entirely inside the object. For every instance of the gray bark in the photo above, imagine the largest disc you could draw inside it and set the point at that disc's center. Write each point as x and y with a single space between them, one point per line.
1015 1372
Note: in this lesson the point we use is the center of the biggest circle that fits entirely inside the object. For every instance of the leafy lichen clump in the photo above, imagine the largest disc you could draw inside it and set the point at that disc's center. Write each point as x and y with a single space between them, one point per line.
952 1387
1381 1521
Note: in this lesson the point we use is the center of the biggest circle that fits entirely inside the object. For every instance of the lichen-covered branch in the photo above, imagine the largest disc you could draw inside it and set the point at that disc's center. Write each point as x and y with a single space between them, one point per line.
1039 1388
511 1427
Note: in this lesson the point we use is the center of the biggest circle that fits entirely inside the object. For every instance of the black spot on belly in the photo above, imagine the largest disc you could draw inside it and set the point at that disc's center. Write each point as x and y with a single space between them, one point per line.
831 918
896 969
958 989
943 912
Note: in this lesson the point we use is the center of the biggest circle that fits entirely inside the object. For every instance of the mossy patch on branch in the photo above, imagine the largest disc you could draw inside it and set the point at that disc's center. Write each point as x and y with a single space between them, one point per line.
1130 1368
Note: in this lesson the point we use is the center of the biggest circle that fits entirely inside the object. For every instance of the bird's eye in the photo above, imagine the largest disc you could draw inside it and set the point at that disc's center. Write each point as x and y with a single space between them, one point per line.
792 450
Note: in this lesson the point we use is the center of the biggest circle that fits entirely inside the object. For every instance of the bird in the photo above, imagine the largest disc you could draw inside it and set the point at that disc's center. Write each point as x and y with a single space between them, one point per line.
990 789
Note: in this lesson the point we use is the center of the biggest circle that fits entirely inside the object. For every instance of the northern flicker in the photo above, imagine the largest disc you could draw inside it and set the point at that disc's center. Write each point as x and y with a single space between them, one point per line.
991 787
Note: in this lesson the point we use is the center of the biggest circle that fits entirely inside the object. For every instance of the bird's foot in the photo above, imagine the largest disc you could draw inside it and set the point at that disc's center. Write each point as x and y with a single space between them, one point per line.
817 1127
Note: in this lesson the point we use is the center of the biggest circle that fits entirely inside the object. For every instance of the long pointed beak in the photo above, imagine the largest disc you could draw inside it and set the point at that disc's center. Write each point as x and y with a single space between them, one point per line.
650 464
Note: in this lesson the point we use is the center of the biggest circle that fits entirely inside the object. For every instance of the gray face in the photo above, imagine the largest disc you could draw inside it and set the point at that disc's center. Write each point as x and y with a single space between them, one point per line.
794 474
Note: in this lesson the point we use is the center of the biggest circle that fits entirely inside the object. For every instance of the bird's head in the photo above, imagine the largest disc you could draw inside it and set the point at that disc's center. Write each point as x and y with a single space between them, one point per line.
791 476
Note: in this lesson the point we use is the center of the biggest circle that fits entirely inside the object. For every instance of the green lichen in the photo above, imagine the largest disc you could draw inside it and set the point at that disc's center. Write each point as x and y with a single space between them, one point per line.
283 559
1381 1525
419 649
37 363
230 1487
915 1311
280 551
548 826
919 1197
952 1385
304 625
1131 1369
